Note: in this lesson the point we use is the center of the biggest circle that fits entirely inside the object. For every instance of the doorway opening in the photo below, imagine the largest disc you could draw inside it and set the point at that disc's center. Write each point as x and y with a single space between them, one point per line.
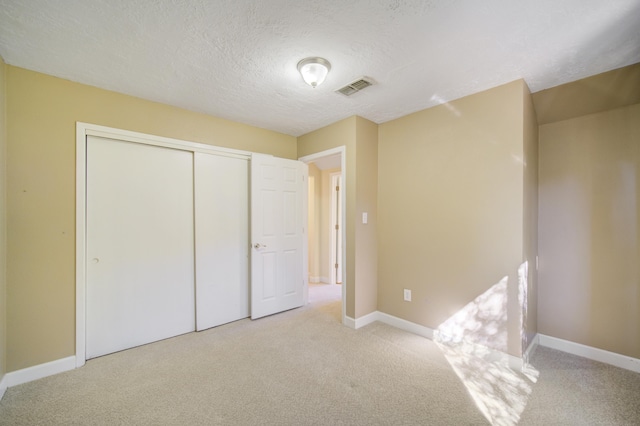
326 219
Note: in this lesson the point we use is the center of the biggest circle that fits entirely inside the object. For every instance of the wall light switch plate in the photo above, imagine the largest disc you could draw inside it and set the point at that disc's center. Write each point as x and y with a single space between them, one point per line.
407 295
365 218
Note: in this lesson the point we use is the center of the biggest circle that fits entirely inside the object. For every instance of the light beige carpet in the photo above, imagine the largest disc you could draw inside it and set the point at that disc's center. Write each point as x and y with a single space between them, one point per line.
302 367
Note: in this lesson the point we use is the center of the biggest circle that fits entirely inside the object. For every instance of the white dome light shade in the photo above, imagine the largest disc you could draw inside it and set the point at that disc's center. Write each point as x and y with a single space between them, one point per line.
314 70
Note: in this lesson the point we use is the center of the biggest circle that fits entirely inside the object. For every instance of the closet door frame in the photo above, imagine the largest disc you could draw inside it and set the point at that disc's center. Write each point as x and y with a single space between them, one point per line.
82 131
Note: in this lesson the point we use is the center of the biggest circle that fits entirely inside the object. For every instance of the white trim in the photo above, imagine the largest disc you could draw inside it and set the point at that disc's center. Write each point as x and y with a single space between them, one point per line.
326 153
349 322
81 248
39 371
3 386
82 131
528 353
367 319
405 325
393 321
513 361
595 354
335 179
342 150
147 139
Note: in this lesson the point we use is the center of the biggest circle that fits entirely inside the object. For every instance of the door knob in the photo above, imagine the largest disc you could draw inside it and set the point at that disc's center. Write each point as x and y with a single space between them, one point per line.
259 246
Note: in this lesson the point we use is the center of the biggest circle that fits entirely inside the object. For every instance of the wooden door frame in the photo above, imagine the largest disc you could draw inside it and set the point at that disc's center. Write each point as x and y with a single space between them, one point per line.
82 131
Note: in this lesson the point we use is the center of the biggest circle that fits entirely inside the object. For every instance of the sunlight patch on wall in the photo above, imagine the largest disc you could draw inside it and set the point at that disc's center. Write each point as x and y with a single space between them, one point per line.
523 290
474 342
448 105
482 321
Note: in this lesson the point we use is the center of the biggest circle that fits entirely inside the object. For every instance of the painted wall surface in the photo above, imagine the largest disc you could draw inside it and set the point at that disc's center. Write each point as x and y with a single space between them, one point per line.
42 112
366 202
450 214
313 225
3 206
530 226
326 228
342 133
599 93
320 225
589 191
360 139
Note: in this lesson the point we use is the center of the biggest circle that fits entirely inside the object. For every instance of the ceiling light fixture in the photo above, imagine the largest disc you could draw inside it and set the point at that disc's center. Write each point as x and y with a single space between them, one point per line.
314 70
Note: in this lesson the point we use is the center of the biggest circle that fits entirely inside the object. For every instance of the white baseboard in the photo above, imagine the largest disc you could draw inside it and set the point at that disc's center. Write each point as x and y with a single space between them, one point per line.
349 322
405 325
3 386
367 319
421 330
314 280
535 342
40 371
396 322
595 354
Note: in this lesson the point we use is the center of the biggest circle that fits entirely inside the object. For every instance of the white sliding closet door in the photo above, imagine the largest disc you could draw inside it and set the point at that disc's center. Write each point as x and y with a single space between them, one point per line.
222 239
140 245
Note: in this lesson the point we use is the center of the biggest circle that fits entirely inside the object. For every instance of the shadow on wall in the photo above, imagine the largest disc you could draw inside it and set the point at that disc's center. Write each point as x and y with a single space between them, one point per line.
474 342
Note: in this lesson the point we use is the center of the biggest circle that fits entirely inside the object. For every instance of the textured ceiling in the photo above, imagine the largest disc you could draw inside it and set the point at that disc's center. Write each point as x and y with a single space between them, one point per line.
237 59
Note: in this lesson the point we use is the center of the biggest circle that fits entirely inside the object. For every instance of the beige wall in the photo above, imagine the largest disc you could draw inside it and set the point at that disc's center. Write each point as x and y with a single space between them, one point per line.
590 230
313 225
3 254
360 139
366 267
42 112
450 209
602 92
450 193
342 133
320 225
326 228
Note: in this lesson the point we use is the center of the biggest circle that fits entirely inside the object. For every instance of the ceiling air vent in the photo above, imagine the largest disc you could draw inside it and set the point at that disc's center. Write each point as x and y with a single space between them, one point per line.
355 86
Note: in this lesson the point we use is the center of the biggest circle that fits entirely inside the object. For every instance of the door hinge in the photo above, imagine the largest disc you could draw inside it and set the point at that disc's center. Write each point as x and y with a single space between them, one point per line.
336 266
337 227
337 188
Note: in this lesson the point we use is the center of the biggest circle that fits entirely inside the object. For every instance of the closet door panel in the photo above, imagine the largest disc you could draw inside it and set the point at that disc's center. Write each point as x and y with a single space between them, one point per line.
222 239
140 245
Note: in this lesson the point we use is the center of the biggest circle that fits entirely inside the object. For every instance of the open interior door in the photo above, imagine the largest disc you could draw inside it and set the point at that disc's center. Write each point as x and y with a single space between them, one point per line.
278 237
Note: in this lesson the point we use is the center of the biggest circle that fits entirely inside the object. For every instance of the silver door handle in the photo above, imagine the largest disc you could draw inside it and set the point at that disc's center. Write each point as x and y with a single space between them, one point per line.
259 246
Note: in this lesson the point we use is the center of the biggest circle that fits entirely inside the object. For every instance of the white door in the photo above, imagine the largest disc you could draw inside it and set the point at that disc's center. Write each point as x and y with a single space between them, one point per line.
222 239
140 245
278 192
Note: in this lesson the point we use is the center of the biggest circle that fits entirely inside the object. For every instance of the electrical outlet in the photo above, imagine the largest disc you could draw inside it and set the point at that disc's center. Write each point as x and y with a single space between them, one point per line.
407 295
